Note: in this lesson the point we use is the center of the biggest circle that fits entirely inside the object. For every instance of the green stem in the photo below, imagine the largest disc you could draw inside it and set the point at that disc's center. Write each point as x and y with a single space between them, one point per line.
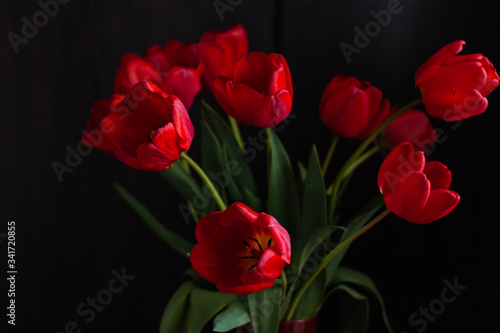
193 211
361 148
329 155
206 180
361 159
268 150
236 132
328 258
283 285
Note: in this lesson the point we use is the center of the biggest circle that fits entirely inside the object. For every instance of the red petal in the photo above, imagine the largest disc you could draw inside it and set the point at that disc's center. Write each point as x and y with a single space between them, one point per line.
467 73
261 72
271 110
454 104
223 91
278 233
238 214
217 262
438 174
157 59
181 82
401 160
440 203
167 140
413 126
244 100
208 226
132 73
270 263
409 196
428 68
346 111
182 123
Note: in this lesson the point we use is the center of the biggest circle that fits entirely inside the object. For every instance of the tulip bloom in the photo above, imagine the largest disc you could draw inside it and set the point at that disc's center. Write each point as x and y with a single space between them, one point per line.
412 126
219 51
259 92
352 108
239 250
175 69
455 87
415 190
147 129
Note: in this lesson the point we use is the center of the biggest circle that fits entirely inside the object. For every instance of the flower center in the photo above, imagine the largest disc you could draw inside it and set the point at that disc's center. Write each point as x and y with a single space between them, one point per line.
254 250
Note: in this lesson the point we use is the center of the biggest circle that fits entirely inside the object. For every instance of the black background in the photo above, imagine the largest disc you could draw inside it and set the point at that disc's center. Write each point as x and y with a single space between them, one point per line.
70 235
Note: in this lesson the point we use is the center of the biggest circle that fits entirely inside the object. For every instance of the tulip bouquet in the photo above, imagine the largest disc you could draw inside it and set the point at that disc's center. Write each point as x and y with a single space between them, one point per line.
267 263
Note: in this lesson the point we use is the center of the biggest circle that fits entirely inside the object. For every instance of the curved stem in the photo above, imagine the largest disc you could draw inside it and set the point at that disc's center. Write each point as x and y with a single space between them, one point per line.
268 150
236 132
329 155
328 258
206 180
361 159
283 285
361 148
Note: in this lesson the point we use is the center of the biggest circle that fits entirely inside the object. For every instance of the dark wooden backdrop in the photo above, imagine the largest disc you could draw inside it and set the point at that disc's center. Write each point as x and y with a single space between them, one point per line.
72 233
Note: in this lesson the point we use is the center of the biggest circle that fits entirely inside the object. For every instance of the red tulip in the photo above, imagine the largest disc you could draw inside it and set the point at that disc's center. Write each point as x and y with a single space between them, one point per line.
455 87
259 91
219 51
415 190
352 108
93 136
412 126
147 129
239 250
175 69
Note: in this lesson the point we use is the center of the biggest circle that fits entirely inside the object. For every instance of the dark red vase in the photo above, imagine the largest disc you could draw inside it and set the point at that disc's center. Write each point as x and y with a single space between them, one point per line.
288 326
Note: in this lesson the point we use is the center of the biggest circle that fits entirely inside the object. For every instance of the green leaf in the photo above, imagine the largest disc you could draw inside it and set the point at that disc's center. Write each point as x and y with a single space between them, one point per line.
235 315
252 201
354 309
302 170
203 306
234 192
265 309
314 241
174 240
175 314
212 161
350 276
312 298
238 168
282 200
313 213
363 217
182 182
191 308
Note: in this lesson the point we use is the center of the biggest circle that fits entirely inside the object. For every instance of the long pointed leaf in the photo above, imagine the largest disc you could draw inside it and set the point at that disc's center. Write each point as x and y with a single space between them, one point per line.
265 309
282 200
234 315
175 314
356 223
351 276
313 213
174 240
243 173
182 182
204 305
